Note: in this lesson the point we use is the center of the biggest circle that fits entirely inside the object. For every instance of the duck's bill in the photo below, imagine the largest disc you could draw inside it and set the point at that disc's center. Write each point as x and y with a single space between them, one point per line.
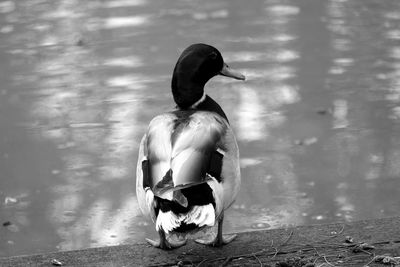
228 72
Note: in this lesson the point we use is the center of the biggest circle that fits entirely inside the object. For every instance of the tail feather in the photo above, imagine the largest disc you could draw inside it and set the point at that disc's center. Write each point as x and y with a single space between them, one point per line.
199 216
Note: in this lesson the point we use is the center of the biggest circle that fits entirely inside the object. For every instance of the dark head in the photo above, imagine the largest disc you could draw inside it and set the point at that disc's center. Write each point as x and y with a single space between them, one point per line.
197 64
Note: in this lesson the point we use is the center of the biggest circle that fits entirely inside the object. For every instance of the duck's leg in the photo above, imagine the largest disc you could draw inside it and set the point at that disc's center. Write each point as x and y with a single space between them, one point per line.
220 239
163 243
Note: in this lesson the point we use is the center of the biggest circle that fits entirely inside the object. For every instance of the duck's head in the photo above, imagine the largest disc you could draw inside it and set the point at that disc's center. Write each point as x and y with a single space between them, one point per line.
197 64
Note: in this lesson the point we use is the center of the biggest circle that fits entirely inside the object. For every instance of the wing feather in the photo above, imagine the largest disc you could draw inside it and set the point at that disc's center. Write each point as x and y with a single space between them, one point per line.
194 145
179 148
159 146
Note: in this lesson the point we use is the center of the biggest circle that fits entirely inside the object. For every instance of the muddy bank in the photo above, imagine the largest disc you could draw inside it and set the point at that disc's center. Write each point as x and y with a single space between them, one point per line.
369 242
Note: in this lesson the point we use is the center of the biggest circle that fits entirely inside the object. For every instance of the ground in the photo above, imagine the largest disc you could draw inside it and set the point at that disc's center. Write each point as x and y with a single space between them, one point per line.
363 243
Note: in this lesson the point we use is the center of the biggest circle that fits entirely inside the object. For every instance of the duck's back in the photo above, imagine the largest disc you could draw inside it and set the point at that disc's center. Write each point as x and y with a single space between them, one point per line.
185 147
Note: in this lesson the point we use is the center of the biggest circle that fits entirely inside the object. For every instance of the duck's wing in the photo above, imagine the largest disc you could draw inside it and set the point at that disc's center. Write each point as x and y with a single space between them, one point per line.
183 149
159 130
197 148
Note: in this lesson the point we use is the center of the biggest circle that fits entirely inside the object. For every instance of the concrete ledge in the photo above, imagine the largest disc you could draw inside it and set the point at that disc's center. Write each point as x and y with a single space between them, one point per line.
340 244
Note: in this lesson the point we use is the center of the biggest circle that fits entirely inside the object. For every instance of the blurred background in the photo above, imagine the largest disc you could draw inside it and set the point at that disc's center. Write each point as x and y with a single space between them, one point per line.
317 121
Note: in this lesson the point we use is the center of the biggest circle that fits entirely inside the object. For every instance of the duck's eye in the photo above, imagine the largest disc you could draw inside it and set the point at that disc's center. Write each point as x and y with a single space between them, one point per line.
213 55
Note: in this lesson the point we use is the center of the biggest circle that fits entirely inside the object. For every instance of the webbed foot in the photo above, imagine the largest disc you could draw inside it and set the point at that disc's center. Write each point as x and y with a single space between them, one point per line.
218 241
165 244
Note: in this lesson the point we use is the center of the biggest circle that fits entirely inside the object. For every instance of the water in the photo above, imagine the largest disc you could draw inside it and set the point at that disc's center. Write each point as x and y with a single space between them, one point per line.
317 120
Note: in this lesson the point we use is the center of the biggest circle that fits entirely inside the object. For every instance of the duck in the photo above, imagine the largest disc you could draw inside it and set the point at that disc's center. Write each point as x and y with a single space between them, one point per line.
188 170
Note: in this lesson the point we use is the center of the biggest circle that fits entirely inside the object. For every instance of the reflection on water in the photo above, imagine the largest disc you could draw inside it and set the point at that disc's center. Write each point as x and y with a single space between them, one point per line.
316 120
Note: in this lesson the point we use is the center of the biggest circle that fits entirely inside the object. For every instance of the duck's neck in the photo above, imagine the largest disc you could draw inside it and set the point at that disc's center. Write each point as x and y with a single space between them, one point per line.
194 106
206 103
185 92
192 96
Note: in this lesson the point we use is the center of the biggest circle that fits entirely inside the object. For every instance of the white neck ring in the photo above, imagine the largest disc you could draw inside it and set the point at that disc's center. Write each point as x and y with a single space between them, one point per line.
198 102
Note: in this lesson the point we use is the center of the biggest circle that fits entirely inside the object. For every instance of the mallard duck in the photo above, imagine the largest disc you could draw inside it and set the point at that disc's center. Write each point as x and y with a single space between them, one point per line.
188 170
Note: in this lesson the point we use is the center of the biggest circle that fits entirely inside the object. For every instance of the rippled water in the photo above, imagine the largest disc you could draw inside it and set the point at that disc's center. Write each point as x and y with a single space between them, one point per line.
318 119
